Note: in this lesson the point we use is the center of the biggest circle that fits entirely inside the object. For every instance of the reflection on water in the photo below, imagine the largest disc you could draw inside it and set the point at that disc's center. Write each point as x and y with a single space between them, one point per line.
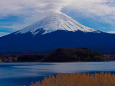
18 74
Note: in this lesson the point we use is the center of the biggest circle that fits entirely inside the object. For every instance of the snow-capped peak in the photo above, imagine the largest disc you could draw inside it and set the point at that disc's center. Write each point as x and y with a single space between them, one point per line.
54 22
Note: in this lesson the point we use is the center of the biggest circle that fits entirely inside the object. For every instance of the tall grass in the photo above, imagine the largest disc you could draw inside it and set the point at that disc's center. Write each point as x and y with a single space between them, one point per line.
78 80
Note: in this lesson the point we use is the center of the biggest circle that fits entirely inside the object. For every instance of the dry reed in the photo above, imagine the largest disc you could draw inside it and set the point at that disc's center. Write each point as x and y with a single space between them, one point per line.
102 79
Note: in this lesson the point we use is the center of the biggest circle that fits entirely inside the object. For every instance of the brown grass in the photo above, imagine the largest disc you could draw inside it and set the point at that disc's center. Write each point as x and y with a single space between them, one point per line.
78 80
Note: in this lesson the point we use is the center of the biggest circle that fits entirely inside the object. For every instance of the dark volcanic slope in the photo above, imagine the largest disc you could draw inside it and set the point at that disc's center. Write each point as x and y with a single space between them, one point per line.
58 39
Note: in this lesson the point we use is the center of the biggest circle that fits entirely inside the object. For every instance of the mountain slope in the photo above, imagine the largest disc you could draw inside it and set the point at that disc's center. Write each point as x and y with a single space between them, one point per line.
56 31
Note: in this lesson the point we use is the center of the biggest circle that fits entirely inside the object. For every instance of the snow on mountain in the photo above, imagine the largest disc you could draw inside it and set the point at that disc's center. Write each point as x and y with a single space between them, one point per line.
54 22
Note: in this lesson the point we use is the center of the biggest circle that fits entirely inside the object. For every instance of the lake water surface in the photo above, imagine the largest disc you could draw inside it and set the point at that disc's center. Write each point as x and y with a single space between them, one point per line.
20 74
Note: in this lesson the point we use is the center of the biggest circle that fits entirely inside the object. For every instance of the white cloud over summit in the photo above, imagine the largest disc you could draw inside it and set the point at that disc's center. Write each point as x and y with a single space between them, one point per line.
17 7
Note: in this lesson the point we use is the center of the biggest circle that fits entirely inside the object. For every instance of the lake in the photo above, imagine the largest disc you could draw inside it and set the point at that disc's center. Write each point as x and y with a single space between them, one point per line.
20 74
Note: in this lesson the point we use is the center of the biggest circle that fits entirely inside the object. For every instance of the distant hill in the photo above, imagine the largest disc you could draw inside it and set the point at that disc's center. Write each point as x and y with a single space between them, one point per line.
73 55
59 55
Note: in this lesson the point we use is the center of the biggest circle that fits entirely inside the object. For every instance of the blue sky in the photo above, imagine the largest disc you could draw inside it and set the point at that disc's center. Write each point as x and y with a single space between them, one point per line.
17 14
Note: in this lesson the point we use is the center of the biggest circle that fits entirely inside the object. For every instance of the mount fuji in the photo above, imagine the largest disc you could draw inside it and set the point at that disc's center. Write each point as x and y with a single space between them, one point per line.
56 31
